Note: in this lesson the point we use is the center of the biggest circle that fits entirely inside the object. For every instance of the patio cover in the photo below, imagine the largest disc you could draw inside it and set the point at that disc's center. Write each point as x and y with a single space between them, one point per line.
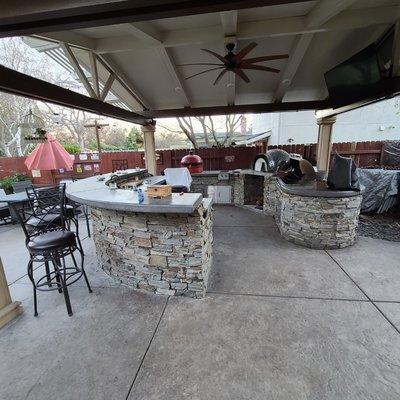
127 53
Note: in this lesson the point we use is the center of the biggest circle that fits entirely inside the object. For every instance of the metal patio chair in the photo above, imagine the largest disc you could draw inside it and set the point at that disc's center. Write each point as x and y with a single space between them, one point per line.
49 242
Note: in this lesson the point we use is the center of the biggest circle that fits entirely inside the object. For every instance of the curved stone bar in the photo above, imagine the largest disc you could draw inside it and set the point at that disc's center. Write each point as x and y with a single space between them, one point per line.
316 218
162 245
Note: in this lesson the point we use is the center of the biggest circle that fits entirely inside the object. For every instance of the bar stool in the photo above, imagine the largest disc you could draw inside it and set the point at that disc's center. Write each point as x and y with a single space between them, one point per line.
38 195
48 241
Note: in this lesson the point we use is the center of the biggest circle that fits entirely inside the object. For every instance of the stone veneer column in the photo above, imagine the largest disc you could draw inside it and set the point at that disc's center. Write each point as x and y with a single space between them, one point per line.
238 190
324 144
270 195
164 253
150 148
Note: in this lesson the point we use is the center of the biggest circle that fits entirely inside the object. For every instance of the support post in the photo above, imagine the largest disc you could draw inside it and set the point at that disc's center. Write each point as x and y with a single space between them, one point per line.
8 309
324 144
150 147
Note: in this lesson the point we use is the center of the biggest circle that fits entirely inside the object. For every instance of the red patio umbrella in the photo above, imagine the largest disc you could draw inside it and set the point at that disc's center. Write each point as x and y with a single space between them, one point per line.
48 156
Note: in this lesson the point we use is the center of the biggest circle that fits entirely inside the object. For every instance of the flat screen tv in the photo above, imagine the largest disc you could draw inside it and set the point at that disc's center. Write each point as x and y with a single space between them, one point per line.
358 78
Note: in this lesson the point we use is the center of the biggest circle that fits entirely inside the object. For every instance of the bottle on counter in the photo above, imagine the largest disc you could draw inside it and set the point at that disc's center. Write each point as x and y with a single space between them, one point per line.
140 195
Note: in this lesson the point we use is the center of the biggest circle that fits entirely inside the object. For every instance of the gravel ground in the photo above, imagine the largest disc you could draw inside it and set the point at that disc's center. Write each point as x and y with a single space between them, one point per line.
381 226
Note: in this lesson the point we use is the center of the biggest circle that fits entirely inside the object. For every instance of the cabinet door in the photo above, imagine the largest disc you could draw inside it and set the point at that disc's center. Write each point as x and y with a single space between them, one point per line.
220 194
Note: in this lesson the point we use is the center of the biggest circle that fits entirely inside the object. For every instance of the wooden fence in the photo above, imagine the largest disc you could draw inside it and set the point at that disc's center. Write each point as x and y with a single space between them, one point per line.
213 158
365 154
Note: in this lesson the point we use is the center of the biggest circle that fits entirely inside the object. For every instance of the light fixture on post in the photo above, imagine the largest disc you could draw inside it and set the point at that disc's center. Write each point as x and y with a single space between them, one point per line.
56 118
32 128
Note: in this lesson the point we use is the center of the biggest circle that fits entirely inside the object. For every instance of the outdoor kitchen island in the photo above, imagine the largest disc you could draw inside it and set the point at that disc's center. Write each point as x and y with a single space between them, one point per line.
314 217
161 245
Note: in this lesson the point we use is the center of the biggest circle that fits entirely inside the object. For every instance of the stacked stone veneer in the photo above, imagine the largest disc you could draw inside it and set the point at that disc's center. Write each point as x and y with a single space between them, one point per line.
238 190
271 195
317 222
200 182
164 253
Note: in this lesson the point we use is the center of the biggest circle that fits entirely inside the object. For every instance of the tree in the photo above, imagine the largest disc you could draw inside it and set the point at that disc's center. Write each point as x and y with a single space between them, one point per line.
132 139
208 126
18 56
167 140
70 124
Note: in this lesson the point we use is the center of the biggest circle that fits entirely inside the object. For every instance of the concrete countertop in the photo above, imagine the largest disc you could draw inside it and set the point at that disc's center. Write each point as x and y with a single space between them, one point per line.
253 172
231 172
310 190
95 193
209 173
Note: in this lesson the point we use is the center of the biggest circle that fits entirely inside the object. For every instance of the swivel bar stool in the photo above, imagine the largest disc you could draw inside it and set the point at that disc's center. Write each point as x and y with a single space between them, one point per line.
36 195
48 241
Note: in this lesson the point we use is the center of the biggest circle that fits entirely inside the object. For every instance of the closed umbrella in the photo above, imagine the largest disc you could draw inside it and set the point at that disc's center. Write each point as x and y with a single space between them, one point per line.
48 156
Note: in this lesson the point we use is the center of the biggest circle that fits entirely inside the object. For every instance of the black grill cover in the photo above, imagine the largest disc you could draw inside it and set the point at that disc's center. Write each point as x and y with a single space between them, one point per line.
343 174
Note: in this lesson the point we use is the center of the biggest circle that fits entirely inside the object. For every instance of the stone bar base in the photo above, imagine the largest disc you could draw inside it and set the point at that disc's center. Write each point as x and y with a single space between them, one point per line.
317 222
164 253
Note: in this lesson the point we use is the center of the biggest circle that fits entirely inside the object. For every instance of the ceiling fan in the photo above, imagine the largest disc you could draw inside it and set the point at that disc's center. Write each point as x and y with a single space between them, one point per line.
237 62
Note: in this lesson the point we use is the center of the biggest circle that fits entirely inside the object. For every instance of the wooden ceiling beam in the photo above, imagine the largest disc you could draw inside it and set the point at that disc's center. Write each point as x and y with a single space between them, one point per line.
19 84
117 12
78 69
238 109
302 42
319 15
147 34
348 19
326 10
125 81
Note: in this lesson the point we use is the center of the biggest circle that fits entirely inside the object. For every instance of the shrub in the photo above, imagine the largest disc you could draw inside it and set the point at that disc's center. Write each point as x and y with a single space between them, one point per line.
72 148
7 182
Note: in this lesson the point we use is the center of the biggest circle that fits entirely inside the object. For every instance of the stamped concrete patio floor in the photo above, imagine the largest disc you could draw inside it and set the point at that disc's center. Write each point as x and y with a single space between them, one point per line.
279 322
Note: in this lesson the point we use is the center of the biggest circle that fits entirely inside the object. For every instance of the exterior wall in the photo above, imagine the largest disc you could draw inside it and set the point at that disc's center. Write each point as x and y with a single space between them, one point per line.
379 121
167 254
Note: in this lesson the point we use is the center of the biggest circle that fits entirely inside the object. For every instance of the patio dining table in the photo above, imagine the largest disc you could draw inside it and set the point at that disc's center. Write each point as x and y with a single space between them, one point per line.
14 198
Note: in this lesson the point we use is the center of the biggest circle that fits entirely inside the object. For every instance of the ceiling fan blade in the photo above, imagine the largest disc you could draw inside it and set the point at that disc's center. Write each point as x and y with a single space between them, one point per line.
221 74
261 68
203 72
183 65
221 58
265 58
246 50
241 74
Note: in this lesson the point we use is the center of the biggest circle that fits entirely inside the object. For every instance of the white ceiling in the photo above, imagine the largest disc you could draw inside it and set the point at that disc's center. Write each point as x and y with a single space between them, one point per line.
317 35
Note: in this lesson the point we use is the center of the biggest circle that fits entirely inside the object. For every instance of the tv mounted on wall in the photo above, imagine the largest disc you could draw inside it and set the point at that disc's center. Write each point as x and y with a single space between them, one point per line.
365 76
358 78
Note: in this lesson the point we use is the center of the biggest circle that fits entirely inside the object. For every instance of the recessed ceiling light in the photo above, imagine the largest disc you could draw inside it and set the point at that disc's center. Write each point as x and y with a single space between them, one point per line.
178 89
230 84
